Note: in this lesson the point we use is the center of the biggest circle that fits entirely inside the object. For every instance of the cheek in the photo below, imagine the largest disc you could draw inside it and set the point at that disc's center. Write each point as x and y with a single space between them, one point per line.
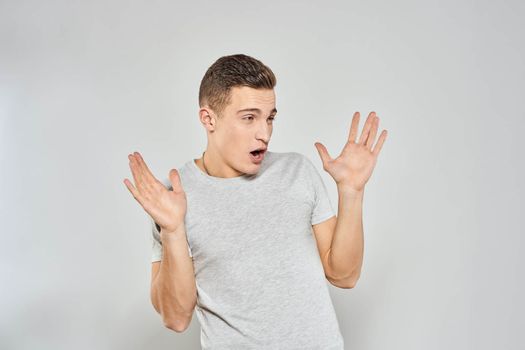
236 138
239 132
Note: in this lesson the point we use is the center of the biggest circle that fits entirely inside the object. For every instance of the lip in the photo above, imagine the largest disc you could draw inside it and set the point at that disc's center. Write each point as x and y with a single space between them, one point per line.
260 160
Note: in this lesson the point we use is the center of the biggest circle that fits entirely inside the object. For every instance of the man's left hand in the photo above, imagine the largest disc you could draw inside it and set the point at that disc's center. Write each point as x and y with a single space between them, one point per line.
353 167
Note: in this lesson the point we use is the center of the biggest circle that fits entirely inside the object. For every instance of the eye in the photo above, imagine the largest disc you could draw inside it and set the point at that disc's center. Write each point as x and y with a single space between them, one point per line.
250 116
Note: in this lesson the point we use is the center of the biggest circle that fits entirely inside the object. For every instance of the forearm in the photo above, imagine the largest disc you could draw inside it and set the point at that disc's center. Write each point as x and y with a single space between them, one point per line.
346 252
173 292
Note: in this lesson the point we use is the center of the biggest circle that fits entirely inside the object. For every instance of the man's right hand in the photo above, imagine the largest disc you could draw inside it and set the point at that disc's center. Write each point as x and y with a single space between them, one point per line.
167 208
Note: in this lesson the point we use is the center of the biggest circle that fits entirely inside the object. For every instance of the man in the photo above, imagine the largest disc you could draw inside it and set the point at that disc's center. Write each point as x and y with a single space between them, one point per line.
248 237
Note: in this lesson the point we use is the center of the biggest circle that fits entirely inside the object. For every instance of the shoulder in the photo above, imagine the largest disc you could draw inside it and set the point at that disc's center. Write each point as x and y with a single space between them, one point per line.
293 161
288 158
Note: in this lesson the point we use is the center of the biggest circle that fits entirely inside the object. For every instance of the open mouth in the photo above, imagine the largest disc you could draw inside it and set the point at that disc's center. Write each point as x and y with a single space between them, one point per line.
257 155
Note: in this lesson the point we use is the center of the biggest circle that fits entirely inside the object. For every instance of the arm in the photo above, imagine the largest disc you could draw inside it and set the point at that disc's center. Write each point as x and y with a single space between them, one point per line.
173 288
342 261
345 256
351 170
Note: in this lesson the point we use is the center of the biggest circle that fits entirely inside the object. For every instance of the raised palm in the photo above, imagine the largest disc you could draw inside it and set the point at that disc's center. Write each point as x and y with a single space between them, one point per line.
167 208
353 167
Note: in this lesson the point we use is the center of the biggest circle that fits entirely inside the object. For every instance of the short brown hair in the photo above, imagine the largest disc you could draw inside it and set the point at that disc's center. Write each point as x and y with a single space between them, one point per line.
230 71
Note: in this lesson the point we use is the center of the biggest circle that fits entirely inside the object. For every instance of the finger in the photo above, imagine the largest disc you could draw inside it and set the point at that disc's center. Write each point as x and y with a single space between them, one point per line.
142 168
148 174
373 132
353 127
137 173
149 183
366 128
134 191
380 142
175 180
323 153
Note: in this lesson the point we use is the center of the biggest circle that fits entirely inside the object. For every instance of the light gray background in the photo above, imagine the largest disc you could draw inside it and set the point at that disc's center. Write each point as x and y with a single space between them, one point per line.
82 84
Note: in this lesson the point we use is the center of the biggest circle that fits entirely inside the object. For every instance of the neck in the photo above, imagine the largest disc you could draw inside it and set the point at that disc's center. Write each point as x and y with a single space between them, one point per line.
204 165
210 166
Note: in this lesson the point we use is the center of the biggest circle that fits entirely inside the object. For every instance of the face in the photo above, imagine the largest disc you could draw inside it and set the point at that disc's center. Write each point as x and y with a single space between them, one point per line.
245 125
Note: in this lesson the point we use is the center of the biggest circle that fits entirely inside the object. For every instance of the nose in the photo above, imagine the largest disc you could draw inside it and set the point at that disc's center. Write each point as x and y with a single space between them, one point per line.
264 132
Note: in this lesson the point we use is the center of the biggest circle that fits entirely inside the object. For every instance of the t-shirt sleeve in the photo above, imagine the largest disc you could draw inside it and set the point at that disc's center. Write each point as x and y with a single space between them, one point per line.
156 253
322 209
157 244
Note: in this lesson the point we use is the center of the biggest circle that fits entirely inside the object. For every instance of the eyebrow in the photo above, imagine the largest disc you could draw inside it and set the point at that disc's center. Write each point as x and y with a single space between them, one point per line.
257 110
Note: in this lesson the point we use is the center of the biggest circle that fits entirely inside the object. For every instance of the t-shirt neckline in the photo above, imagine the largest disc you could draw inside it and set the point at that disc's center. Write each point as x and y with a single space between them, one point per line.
245 178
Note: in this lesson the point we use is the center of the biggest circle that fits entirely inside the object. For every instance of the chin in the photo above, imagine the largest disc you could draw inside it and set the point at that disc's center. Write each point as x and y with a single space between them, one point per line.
254 169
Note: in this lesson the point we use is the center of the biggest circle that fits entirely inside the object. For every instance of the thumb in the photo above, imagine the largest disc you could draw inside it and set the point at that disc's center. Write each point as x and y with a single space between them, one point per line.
175 180
323 153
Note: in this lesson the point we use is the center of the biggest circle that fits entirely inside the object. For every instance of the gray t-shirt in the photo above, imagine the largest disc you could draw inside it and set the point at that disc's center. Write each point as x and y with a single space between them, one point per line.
259 277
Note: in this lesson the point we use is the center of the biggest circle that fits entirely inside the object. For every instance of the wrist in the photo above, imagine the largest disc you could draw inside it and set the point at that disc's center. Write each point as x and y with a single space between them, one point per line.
349 190
179 232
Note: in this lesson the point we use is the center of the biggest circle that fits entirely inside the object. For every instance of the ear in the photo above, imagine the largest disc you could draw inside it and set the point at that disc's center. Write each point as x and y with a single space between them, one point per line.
207 118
